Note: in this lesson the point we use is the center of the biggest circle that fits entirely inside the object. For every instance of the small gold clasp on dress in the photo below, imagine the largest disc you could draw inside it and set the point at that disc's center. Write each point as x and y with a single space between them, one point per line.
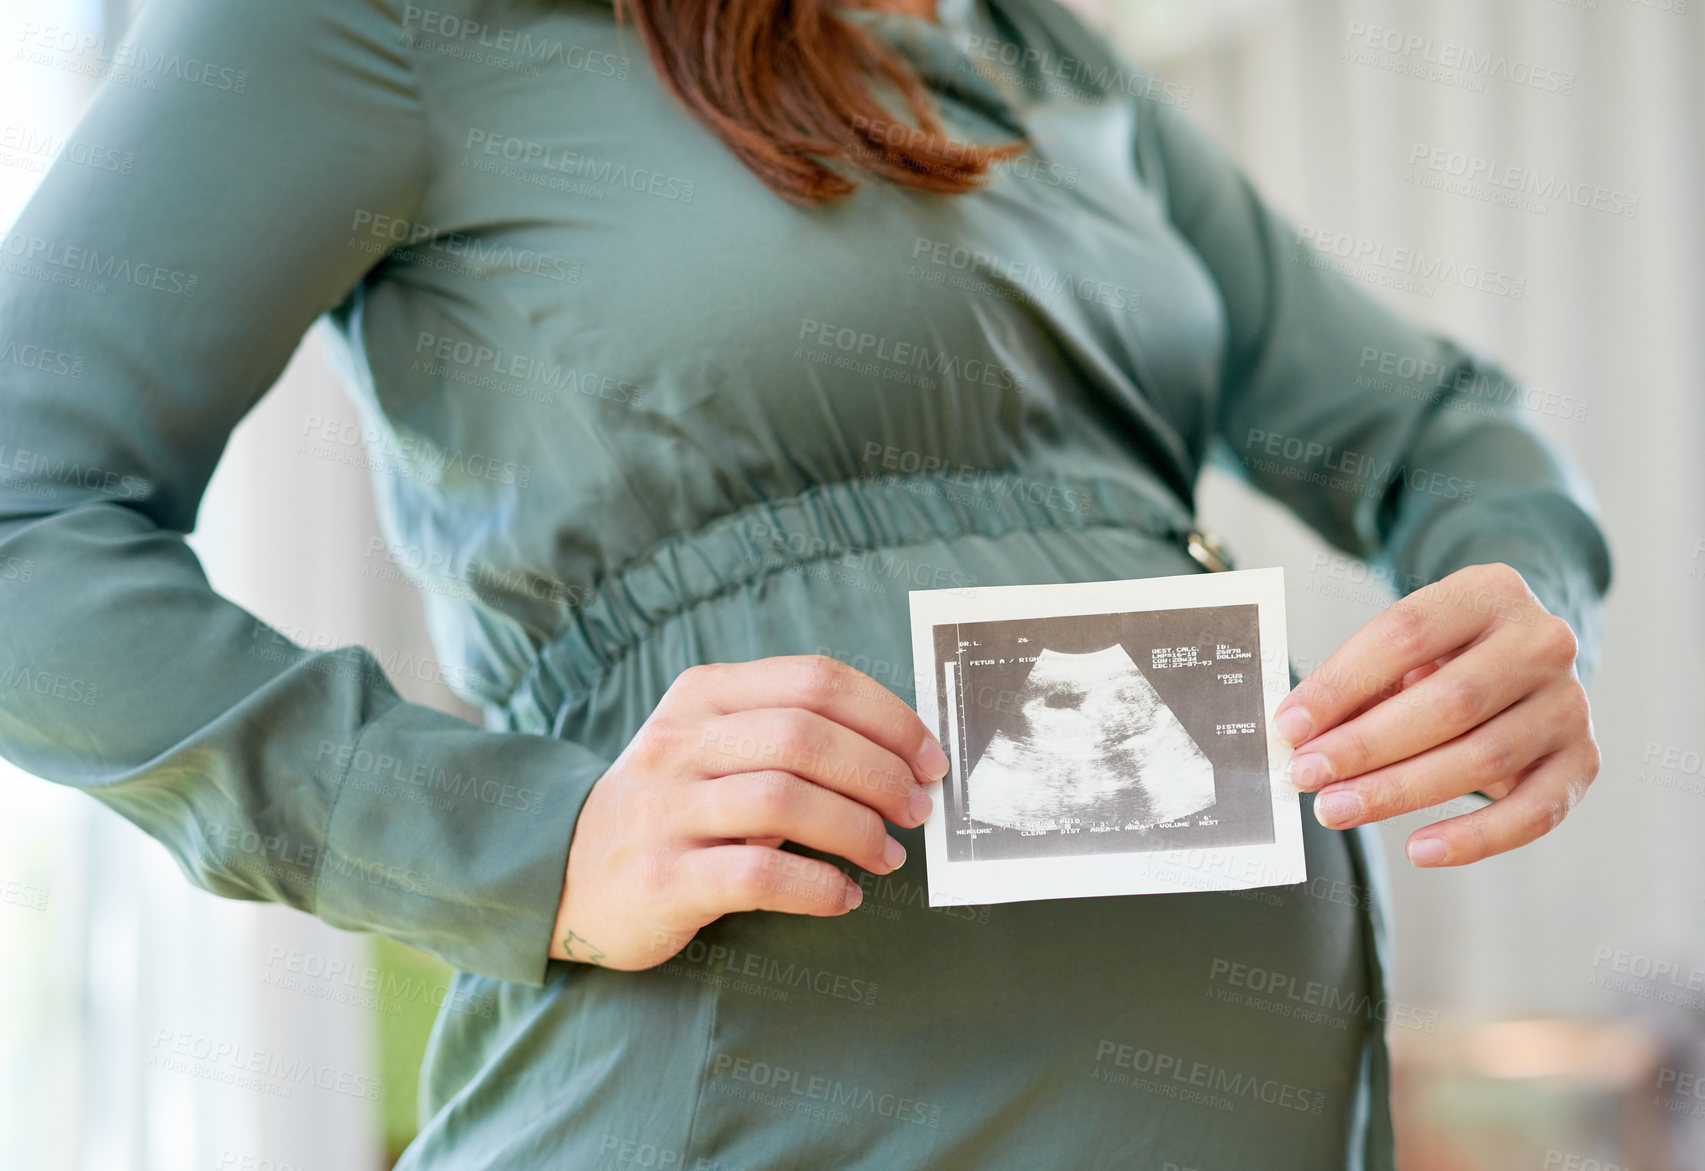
1208 550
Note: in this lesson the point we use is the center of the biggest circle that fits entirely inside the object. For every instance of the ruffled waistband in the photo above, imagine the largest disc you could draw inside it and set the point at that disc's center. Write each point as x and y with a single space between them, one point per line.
826 522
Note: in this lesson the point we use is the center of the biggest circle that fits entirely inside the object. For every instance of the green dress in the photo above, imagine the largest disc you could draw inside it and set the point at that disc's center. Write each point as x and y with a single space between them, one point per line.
627 411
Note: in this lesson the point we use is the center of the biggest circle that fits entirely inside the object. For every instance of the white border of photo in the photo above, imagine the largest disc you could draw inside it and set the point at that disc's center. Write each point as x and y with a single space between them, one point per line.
974 883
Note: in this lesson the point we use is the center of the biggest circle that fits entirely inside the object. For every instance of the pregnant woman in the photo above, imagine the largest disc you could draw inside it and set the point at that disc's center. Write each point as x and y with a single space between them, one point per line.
689 339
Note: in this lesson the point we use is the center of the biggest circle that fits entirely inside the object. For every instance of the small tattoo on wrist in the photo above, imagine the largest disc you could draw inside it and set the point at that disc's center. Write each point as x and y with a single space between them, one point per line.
580 948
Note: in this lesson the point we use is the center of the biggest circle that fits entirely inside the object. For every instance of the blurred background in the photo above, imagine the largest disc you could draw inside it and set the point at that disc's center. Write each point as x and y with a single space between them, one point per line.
1568 979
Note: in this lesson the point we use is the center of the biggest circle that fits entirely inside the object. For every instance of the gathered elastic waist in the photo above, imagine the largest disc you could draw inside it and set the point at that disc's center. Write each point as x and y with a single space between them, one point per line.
849 521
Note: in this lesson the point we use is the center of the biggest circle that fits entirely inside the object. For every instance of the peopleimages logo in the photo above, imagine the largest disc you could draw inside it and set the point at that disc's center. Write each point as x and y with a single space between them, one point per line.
1049 72
413 457
1314 1001
516 371
1448 61
468 253
1471 388
1520 181
1412 269
734 962
923 365
32 357
234 1063
124 62
896 462
1165 1069
1358 470
436 30
35 469
592 168
57 257
832 1092
345 760
1027 276
33 149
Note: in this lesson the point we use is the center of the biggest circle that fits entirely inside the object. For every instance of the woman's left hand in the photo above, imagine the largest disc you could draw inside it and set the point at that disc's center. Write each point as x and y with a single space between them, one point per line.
1465 685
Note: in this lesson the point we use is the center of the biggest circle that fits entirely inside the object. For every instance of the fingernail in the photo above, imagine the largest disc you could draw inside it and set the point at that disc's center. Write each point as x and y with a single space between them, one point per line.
1337 807
1309 771
894 854
1294 725
932 761
855 894
1428 851
921 805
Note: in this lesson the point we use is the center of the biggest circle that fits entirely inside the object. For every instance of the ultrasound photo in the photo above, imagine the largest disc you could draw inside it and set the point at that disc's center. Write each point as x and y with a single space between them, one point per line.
1107 737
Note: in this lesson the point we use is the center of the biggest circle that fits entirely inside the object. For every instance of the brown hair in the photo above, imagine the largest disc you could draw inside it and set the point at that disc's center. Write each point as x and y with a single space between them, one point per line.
788 85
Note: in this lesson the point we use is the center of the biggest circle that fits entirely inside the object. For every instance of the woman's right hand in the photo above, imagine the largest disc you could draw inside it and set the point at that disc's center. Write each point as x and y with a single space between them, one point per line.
736 759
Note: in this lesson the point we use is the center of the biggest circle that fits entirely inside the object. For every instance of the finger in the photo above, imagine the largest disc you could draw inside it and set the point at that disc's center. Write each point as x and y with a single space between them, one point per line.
1415 676
828 687
1474 687
1421 672
1372 701
1540 800
778 806
1497 751
720 880
1409 633
820 750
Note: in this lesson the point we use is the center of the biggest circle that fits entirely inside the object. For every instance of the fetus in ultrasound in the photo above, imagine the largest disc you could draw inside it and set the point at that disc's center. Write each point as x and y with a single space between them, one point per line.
1091 743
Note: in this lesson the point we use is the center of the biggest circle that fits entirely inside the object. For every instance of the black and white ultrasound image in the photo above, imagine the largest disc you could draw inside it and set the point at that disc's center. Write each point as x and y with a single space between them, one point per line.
1104 733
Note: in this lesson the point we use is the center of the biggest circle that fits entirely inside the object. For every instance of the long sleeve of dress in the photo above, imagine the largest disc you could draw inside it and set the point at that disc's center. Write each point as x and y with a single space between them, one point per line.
1394 444
152 290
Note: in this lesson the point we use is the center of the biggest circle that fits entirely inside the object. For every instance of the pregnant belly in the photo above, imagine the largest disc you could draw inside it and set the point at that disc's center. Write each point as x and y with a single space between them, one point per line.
1088 1032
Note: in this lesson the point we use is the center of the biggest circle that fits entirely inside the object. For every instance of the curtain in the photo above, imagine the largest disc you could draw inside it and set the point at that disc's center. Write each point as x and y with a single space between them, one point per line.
1362 153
